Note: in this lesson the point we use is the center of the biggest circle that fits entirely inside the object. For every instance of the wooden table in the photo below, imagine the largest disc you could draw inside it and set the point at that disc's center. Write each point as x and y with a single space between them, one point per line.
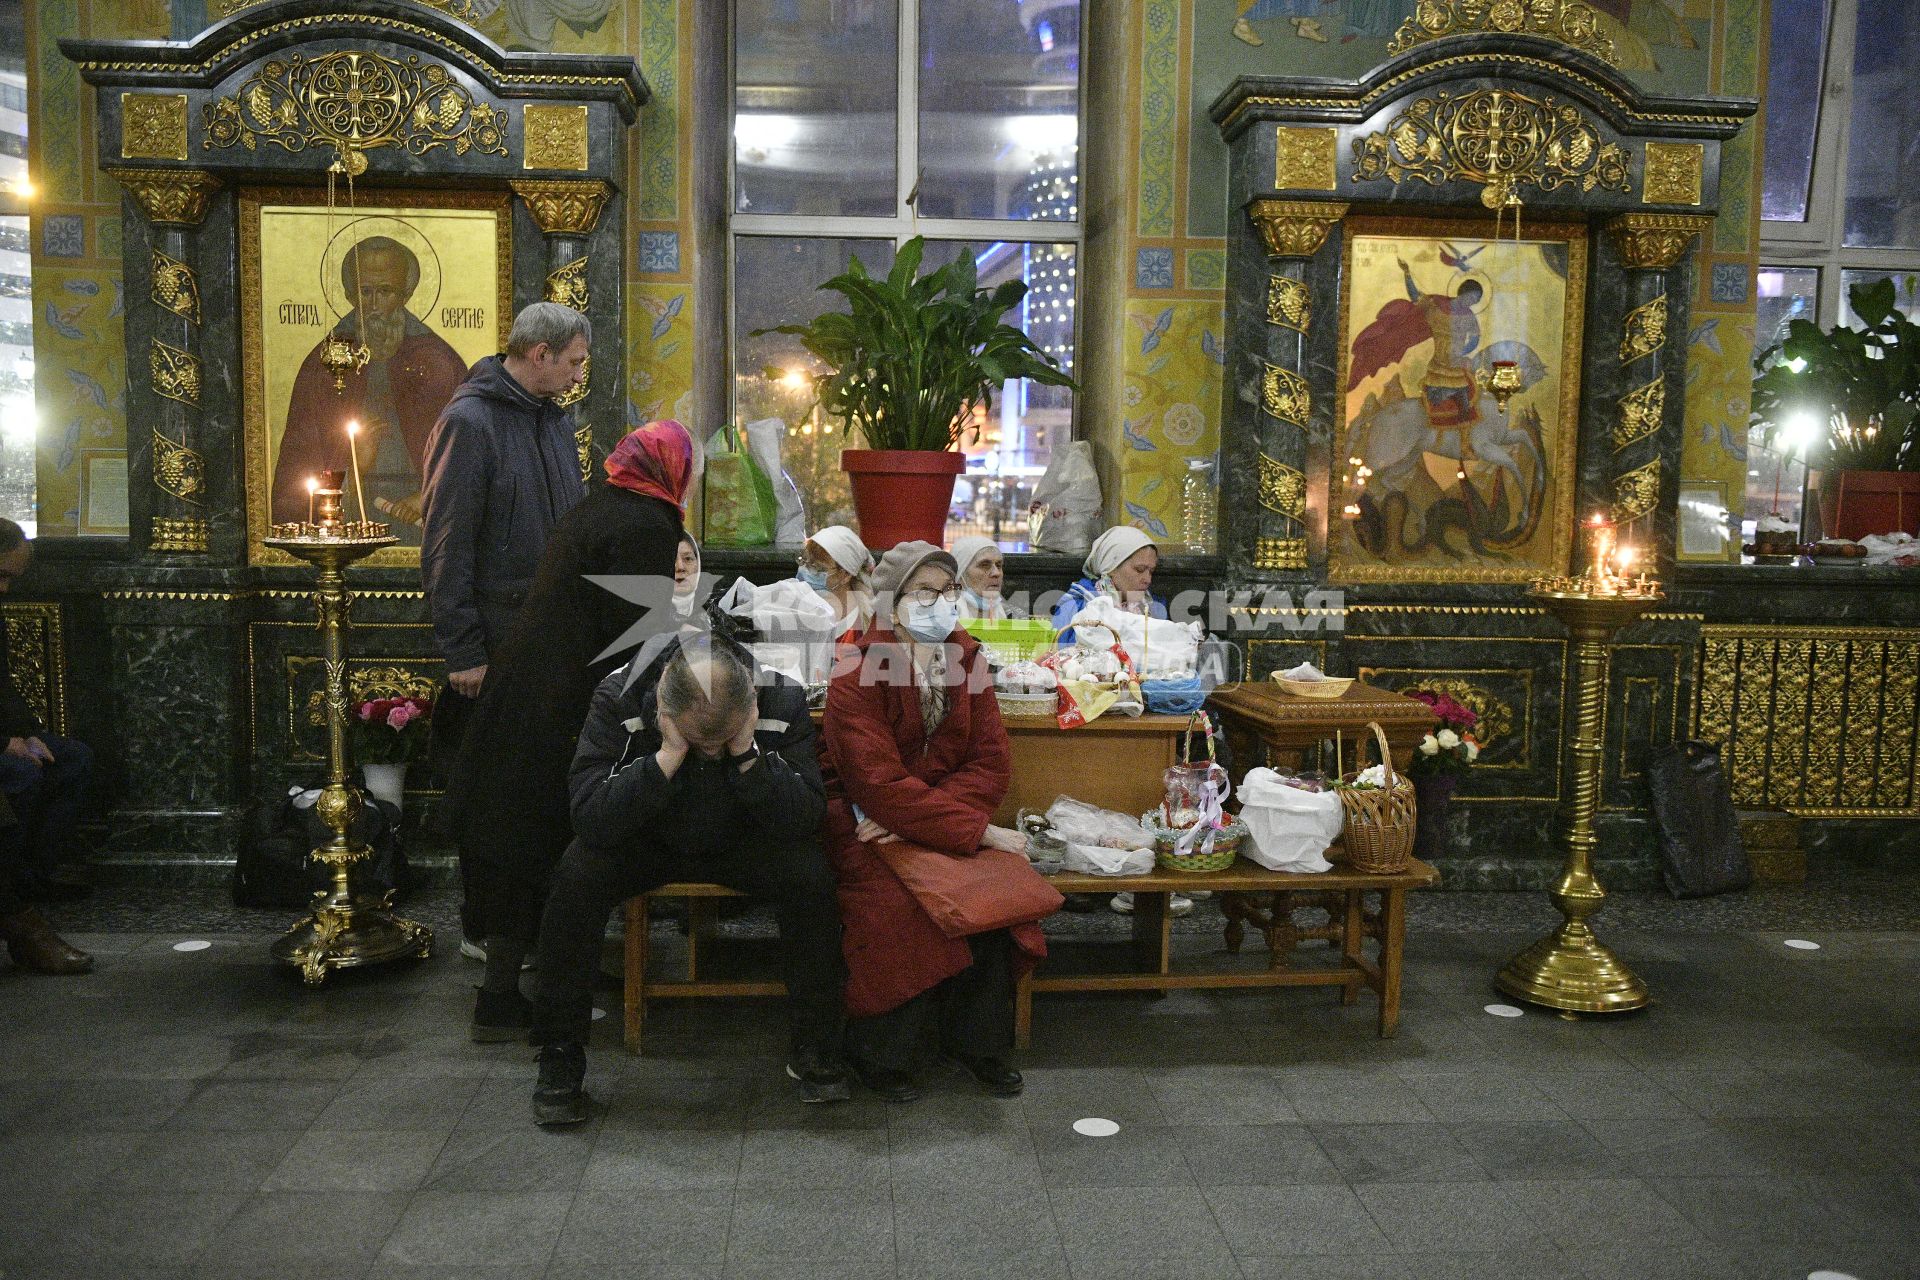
1266 898
1262 719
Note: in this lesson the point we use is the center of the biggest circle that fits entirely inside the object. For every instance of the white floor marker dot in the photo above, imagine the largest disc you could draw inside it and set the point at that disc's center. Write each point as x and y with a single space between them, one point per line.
1505 1011
599 1014
197 944
1828 1275
1094 1127
1801 944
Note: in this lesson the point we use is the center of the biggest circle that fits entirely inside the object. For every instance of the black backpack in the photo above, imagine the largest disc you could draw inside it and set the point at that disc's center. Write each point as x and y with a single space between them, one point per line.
1699 833
276 868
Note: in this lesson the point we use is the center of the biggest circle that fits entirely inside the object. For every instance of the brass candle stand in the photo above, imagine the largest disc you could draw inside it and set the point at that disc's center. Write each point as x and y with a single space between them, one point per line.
346 928
1570 969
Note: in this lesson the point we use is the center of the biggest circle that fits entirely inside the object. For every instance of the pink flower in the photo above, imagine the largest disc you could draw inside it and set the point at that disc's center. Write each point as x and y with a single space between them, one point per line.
398 718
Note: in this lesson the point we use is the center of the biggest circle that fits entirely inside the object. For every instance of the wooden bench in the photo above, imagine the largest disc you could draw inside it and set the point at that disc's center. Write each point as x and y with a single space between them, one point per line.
1250 895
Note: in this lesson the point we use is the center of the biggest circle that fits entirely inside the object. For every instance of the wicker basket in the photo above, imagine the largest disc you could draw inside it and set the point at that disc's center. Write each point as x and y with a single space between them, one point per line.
1226 845
1331 687
1380 821
1028 704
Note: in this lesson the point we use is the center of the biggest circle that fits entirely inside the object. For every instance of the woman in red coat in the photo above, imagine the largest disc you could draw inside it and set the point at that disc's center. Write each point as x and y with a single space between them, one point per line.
914 750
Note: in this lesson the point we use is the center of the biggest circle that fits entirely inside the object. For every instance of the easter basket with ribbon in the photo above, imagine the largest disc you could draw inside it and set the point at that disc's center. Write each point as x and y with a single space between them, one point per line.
1191 830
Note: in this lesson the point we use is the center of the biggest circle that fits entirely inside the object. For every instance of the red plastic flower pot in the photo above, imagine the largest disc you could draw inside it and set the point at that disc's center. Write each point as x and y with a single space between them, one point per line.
1854 504
901 495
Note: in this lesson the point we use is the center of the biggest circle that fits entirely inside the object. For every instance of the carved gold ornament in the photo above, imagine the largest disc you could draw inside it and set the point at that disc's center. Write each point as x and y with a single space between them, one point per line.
37 658
1280 553
1641 410
176 196
1295 228
354 101
369 684
1283 489
181 535
583 444
564 206
1303 158
176 373
174 288
1673 173
1289 303
1567 21
1645 330
340 356
578 391
1286 395
1496 714
464 9
177 469
553 137
568 285
153 126
1495 137
1655 241
1636 493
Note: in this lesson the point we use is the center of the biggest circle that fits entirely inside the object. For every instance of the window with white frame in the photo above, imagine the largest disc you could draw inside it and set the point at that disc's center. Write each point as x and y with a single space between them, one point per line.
859 124
1839 206
19 422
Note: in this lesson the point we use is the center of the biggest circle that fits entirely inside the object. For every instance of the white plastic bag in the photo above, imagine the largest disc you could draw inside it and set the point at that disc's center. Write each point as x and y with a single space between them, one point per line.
1078 822
764 442
795 622
1157 646
1291 828
1065 515
1097 860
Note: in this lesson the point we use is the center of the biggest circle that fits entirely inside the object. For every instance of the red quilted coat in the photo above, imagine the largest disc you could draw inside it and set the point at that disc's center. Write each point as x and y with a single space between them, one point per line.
937 793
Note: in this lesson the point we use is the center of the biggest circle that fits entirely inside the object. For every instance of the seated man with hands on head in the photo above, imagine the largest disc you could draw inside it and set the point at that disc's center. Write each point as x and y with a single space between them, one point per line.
698 769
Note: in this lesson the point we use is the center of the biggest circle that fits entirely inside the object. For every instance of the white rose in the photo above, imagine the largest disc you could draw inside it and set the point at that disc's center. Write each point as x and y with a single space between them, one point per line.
1449 739
1429 747
1473 752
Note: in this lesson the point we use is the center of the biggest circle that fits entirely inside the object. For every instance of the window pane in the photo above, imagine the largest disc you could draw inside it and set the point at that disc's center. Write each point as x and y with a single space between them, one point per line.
1786 293
1792 108
776 281
815 95
1008 450
999 109
1883 204
1906 291
19 422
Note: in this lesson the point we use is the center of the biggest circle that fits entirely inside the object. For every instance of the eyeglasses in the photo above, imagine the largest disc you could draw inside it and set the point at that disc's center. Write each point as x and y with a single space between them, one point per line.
927 595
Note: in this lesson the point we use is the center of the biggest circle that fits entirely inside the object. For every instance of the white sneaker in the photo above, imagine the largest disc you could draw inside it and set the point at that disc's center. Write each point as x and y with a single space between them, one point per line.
1177 904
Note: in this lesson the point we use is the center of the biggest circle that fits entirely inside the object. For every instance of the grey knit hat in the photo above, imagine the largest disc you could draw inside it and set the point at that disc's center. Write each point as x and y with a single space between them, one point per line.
898 565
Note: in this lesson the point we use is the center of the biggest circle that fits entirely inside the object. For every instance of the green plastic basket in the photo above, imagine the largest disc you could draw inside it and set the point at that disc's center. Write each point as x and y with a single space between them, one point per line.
1014 639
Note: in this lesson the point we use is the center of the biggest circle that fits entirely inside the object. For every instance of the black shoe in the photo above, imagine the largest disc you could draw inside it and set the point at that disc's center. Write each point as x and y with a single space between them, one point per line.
558 1098
500 1017
47 890
892 1086
994 1075
820 1078
1082 903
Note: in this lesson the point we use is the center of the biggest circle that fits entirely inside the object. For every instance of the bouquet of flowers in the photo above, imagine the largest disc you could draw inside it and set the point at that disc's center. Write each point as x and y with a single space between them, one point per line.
390 730
1451 748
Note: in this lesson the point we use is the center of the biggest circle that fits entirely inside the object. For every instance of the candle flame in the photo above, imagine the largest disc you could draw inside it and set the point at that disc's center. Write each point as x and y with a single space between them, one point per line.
313 482
353 428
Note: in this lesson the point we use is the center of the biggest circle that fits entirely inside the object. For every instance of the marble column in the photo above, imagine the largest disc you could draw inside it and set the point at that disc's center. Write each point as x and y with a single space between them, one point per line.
1297 392
1643 436
566 211
175 203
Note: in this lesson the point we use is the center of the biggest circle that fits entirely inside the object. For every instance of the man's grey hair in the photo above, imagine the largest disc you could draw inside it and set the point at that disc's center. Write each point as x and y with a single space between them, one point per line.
708 681
549 323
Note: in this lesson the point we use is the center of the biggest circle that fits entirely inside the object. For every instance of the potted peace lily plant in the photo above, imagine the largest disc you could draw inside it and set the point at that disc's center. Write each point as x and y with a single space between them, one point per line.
388 734
906 365
1438 762
1850 398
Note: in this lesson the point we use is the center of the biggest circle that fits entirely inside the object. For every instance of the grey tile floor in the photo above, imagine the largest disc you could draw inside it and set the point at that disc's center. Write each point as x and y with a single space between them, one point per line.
202 1114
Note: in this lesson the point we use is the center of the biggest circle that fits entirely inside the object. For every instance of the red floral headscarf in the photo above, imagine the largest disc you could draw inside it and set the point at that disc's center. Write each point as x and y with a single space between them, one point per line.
655 460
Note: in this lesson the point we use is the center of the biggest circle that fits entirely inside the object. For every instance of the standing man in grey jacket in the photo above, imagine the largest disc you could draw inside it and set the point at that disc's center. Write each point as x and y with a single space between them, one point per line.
501 469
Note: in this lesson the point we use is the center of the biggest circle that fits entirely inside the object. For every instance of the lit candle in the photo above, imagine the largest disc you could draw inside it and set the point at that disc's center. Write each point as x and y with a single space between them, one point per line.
313 482
353 452
1601 550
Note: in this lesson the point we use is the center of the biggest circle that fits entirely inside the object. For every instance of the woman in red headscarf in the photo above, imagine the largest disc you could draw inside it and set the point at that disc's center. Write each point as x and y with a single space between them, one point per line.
509 790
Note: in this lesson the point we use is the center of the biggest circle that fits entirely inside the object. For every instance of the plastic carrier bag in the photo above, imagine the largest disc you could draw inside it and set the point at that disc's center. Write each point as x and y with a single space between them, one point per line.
740 507
1291 828
1065 514
1100 842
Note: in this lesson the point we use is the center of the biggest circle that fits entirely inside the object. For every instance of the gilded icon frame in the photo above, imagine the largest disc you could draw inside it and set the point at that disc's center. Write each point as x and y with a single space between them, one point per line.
259 419
1551 543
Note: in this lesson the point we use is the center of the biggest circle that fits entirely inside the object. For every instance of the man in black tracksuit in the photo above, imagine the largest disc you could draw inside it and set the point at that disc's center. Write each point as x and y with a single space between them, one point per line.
703 770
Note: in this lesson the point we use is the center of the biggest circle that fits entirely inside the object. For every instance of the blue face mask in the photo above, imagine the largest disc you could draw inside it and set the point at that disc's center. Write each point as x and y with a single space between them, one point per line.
815 578
931 623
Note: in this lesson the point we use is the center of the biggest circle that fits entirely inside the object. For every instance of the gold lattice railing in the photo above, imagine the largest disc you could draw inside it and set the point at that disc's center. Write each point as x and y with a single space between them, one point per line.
1821 721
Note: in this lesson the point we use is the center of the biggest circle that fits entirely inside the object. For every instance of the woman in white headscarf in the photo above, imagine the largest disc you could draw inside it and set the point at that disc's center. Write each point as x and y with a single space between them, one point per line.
686 578
983 571
835 563
1119 566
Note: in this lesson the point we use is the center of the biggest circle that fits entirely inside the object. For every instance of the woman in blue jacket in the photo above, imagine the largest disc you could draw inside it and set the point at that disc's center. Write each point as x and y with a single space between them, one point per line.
1119 566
